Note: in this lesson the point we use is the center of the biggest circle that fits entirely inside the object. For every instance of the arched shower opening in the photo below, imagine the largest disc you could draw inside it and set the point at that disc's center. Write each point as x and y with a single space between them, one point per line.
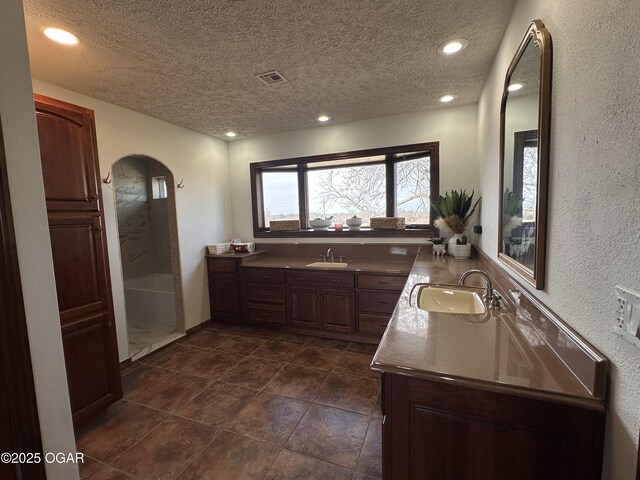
147 228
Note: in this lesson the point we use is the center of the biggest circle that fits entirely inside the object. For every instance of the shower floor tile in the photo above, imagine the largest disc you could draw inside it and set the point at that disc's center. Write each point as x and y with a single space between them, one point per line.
146 337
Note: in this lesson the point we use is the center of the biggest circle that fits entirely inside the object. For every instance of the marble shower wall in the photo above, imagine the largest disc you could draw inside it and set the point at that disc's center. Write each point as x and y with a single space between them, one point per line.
142 221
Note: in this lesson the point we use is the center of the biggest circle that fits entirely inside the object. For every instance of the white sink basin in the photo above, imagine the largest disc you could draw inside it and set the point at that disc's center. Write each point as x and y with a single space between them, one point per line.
327 264
450 299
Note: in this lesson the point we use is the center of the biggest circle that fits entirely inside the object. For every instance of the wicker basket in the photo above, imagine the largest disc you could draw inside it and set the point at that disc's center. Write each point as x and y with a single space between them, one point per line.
387 223
284 225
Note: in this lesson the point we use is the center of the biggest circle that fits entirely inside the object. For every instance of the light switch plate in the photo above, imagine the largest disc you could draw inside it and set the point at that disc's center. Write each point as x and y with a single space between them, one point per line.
627 323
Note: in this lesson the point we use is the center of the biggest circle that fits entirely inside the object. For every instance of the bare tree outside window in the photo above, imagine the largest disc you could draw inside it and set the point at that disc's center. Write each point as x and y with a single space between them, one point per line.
529 183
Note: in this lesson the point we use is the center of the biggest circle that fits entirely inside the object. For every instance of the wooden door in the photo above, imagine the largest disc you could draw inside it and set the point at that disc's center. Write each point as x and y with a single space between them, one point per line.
19 425
78 243
224 295
338 311
303 307
69 155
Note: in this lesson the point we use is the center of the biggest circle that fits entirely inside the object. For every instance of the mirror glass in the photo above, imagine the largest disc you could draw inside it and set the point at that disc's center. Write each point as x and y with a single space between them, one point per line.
524 136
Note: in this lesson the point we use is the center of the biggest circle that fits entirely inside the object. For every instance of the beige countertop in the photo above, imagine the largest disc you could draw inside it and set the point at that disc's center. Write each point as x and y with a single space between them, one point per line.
502 351
387 266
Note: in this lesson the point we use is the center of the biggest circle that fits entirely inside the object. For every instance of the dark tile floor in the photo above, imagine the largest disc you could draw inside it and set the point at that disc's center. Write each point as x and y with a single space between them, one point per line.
242 403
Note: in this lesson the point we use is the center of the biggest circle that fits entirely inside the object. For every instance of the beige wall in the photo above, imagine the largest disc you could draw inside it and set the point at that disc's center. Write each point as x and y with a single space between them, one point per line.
203 209
594 177
32 235
454 127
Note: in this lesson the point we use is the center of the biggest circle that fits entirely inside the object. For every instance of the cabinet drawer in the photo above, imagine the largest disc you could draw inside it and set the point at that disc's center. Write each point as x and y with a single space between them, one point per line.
377 302
266 294
222 265
381 282
274 314
373 325
321 279
264 275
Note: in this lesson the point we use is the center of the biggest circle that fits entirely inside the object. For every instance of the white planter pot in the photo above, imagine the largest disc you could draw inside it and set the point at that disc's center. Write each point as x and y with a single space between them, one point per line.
460 252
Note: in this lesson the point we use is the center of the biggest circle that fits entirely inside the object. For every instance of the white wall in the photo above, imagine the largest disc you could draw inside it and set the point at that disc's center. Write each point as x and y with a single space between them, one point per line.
594 177
454 127
32 235
202 205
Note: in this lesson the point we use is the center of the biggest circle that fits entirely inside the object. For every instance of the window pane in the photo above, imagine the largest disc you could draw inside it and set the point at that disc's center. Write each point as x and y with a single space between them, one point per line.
347 191
413 190
529 182
158 187
280 194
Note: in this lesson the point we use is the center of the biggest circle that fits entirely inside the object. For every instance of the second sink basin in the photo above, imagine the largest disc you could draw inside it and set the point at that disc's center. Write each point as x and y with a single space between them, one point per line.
450 299
327 264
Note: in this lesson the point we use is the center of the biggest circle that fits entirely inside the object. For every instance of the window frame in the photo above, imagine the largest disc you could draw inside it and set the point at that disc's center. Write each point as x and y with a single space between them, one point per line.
299 165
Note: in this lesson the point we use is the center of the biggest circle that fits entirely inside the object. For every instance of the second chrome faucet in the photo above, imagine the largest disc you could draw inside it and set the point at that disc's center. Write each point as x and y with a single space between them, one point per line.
491 297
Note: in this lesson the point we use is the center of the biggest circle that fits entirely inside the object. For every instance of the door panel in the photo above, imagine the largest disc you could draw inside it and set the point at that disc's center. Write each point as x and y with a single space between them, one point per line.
338 310
225 298
69 157
76 240
303 307
88 344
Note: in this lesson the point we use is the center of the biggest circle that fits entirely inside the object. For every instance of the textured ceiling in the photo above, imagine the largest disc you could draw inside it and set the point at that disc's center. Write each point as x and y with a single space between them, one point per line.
192 63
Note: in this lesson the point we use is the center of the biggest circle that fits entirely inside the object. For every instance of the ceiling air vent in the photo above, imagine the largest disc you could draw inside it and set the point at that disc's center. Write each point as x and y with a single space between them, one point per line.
271 78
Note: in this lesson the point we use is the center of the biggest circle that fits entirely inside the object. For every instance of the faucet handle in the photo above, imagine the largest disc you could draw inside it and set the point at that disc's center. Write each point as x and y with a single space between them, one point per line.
342 257
323 258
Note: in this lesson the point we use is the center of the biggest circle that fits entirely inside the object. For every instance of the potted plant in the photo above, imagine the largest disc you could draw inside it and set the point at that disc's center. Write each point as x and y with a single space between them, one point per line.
453 210
439 247
461 250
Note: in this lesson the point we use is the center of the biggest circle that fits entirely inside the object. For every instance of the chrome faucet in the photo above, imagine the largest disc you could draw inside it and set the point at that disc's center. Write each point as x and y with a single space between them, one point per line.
490 297
329 256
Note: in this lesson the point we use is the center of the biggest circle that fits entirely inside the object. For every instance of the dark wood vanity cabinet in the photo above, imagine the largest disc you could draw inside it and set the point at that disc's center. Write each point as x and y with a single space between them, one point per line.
439 431
224 288
321 300
69 159
265 296
377 297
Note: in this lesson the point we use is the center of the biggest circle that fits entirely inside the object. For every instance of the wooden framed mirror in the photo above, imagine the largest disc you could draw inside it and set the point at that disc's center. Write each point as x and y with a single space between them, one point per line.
524 157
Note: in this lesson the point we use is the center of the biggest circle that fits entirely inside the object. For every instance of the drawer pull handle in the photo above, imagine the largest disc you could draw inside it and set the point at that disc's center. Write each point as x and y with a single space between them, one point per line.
265 314
383 283
301 279
264 294
383 303
263 277
336 281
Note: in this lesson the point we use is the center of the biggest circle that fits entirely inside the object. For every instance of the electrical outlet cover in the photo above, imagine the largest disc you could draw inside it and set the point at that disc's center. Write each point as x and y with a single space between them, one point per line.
627 322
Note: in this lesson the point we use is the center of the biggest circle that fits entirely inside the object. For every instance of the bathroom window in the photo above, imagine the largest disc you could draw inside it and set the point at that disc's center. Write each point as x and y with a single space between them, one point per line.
280 195
158 187
385 182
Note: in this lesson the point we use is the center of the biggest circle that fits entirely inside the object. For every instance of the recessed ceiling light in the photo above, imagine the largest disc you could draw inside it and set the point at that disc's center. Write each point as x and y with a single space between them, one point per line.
447 98
452 46
514 87
61 36
324 118
231 134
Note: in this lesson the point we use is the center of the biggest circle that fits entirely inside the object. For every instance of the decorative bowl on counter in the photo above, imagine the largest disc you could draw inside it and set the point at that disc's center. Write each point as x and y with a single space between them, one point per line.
354 223
320 224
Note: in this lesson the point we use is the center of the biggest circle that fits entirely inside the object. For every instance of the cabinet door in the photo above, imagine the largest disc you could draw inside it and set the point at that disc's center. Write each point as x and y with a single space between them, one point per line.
224 295
338 311
79 261
69 155
93 373
303 307
437 431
